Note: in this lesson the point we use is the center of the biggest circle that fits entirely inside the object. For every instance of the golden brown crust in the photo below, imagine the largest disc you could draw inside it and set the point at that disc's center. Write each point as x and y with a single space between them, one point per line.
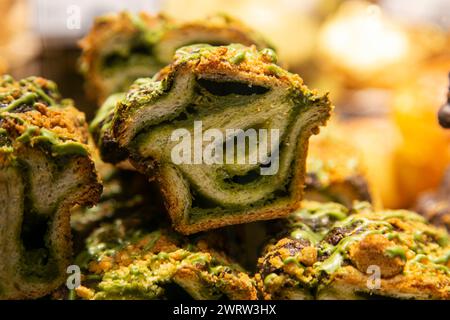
390 254
68 123
149 263
419 285
371 251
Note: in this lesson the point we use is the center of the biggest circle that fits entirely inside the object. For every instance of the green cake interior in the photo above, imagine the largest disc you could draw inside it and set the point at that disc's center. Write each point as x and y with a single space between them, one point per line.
37 196
121 64
38 259
221 143
223 105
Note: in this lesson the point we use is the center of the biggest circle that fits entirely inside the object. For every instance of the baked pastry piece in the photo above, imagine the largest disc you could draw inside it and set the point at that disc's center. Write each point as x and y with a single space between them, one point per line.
46 169
218 87
123 47
118 50
331 253
334 172
125 263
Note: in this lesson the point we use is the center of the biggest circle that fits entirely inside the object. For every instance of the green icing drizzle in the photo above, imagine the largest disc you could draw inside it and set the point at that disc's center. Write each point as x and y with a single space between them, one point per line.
7 149
332 263
403 215
44 96
307 234
393 252
443 259
274 69
28 133
269 278
29 97
238 58
198 258
162 256
106 109
70 148
292 259
58 147
12 116
49 136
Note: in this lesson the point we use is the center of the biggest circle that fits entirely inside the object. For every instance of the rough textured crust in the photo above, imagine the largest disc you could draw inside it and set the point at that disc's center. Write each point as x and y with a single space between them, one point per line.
219 29
150 263
46 169
331 253
160 34
233 63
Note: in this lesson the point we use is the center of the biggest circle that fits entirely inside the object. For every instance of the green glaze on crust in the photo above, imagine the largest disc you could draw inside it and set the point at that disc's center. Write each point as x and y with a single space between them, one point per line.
70 148
45 170
203 85
336 262
157 265
396 252
33 96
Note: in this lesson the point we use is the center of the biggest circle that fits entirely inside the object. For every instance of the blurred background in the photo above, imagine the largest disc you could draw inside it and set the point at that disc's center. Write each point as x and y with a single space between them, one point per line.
385 64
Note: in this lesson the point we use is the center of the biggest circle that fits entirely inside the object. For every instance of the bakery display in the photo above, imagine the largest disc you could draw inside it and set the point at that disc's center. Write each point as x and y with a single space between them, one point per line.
198 165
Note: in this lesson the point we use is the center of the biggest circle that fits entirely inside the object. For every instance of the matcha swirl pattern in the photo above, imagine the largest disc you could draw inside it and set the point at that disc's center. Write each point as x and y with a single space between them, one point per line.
219 86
